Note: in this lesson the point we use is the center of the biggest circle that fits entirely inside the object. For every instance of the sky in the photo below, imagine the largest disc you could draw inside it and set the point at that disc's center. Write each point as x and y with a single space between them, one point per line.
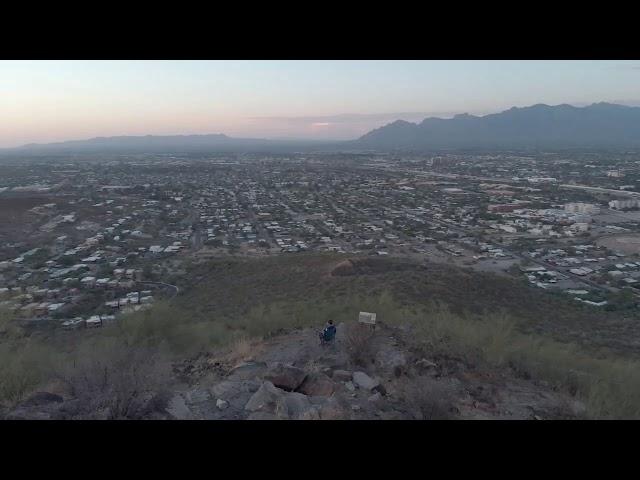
48 101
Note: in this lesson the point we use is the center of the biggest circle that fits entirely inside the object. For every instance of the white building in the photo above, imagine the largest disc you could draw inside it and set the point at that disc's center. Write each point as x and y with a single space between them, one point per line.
628 203
583 208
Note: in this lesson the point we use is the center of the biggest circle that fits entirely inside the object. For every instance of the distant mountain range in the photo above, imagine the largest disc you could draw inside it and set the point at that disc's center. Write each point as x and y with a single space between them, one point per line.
600 125
155 144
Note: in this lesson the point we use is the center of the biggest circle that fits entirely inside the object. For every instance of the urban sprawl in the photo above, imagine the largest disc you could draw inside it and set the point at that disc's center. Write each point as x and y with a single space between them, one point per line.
84 240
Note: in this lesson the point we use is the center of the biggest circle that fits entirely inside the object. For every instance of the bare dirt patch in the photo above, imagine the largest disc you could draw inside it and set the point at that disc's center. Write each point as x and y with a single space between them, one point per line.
626 243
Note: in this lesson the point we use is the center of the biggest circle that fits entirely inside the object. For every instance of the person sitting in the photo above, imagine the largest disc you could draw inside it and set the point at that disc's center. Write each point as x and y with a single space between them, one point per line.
329 332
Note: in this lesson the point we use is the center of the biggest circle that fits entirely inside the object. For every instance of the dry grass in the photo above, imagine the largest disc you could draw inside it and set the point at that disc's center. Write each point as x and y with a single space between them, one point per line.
242 350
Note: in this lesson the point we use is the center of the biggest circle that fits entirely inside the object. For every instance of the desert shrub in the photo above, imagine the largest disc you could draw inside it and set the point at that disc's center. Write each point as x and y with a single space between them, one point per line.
360 344
169 328
23 366
9 327
609 385
114 381
429 399
241 350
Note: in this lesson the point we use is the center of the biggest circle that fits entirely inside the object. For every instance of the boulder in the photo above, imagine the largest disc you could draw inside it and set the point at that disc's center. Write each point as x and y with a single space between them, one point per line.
27 414
263 416
310 414
222 404
197 395
154 409
344 268
178 409
281 404
332 410
350 386
39 399
375 397
266 399
341 375
425 366
286 377
317 384
246 370
364 381
297 405
379 389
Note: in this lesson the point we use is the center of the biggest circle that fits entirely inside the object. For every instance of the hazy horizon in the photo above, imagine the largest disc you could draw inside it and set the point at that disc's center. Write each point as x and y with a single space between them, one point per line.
55 101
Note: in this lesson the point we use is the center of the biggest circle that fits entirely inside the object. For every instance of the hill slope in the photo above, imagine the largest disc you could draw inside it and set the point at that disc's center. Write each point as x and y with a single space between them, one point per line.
452 343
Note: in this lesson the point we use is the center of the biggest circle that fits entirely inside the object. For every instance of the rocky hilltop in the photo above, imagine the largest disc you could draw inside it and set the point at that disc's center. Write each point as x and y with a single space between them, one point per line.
366 374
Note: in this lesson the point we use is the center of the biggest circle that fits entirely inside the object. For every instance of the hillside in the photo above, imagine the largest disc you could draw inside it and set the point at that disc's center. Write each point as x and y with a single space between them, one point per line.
240 341
600 125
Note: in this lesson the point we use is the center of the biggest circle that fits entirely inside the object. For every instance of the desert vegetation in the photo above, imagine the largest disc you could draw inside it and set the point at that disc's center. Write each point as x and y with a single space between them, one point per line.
114 368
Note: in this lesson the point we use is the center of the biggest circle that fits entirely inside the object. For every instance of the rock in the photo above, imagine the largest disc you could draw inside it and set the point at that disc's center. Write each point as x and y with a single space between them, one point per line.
287 377
318 400
246 370
350 386
425 364
266 399
310 414
341 375
59 387
364 381
282 404
297 405
198 395
380 389
26 414
375 397
317 384
355 408
225 389
343 268
332 410
222 404
263 416
178 409
231 388
154 409
39 399
578 408
390 415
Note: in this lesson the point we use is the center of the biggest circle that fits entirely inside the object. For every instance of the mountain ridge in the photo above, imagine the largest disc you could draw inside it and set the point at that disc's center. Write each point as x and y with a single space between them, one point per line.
540 125
599 125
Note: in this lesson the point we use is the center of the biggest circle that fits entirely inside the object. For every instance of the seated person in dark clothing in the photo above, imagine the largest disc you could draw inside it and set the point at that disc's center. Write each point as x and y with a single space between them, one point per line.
329 332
